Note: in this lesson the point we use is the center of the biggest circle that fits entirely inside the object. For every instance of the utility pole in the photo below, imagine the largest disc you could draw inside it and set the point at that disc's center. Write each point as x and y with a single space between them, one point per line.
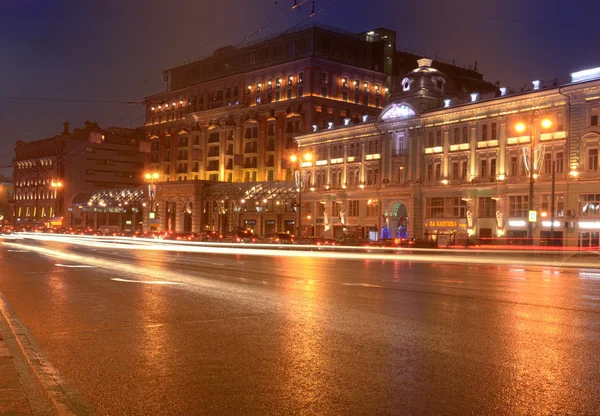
552 196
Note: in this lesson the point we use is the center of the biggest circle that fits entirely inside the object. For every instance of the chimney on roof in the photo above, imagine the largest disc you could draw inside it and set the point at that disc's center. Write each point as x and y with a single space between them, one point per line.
424 62
66 128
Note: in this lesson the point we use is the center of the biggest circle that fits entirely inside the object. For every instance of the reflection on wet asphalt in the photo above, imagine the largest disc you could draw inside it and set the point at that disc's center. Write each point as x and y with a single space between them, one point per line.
235 334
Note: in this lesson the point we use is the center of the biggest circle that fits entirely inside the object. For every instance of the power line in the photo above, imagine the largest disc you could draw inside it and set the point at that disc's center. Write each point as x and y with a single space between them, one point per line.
281 16
70 100
313 14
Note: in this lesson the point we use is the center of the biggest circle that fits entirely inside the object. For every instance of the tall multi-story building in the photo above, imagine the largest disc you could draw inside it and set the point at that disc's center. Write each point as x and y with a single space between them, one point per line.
467 167
234 115
49 173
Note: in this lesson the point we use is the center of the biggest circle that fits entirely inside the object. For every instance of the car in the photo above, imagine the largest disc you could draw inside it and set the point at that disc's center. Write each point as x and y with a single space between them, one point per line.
316 241
178 236
279 238
208 237
240 236
351 241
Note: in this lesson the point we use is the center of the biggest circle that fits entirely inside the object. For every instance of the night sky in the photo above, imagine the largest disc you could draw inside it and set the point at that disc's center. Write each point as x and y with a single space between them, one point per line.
115 50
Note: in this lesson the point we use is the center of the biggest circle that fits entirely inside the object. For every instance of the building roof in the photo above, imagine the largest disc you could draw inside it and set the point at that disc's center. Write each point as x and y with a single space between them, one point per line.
251 190
110 197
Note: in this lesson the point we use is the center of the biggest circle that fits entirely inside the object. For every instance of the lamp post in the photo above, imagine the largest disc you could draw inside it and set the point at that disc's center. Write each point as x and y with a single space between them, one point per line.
532 165
150 177
300 179
56 186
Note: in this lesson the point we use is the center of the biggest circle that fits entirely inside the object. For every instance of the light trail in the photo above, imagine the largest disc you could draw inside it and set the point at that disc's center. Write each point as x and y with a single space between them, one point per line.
455 256
154 282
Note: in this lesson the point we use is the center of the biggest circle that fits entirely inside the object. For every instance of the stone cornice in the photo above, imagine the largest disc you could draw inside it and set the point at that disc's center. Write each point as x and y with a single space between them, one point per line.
326 136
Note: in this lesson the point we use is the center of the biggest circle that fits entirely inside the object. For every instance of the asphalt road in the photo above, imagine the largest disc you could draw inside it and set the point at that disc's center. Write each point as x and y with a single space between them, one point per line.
162 333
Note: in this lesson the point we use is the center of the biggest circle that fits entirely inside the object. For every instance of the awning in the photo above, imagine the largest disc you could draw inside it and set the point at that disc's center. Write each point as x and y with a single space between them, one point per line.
251 190
110 198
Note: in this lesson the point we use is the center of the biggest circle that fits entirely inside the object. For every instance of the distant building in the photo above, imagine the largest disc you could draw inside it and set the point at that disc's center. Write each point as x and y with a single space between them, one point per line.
6 195
49 173
234 116
443 165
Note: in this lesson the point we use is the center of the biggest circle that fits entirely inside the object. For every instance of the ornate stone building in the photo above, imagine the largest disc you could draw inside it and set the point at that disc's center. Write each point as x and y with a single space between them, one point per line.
442 165
234 116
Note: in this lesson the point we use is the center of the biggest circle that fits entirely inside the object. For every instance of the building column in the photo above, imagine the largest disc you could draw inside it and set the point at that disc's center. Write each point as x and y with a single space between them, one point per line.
134 220
197 208
446 146
179 216
473 151
345 169
96 221
502 139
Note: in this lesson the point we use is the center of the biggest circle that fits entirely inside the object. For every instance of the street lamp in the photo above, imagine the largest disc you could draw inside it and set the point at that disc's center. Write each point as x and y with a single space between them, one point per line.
532 166
150 178
56 186
300 179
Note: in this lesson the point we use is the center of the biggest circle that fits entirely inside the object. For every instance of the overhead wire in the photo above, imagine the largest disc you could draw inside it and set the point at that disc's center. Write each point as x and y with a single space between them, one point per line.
141 104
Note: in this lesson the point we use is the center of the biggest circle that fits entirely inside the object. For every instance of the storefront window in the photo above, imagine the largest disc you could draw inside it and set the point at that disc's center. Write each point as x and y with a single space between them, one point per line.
559 205
589 205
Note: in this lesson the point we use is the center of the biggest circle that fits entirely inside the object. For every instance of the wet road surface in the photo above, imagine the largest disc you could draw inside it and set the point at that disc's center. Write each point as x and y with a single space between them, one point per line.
143 332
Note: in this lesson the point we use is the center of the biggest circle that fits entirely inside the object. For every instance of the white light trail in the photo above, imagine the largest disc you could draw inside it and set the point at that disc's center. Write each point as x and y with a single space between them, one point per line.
457 256
75 266
156 282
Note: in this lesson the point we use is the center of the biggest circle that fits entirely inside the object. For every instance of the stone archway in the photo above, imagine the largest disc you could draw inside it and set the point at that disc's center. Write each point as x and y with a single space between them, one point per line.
397 220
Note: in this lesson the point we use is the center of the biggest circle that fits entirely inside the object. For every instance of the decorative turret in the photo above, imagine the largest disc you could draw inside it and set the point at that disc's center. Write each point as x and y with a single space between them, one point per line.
423 87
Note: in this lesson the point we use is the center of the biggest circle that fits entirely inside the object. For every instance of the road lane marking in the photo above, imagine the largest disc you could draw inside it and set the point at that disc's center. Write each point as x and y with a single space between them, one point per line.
363 285
155 282
75 266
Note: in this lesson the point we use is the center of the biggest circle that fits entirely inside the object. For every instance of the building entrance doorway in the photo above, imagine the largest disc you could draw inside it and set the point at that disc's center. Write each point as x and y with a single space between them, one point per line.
397 221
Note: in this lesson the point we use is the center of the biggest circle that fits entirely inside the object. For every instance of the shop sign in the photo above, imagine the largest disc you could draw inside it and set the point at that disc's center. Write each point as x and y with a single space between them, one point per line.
397 195
445 224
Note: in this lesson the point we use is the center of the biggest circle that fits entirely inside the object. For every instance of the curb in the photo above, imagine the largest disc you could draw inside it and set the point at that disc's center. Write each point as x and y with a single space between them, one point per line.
12 396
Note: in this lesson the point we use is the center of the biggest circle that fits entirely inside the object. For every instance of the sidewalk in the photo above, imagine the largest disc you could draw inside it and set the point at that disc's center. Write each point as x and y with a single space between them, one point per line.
12 398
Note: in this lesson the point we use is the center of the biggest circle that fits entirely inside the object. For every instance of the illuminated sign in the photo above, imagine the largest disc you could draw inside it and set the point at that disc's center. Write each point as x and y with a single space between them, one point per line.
532 216
516 223
152 215
444 224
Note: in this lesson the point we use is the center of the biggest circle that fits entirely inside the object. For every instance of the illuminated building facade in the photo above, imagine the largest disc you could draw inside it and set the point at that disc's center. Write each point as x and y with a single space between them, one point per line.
49 173
234 116
440 165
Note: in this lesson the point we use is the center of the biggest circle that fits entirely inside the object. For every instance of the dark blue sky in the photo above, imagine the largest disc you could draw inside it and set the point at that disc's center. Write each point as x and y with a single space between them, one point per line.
116 49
